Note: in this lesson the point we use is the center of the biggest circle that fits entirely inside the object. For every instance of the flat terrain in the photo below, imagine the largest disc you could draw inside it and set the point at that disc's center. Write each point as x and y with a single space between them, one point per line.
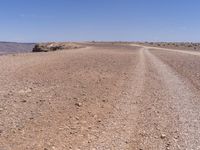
173 45
104 96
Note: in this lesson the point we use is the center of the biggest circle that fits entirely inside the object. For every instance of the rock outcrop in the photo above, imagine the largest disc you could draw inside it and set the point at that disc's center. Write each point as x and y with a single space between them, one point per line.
48 47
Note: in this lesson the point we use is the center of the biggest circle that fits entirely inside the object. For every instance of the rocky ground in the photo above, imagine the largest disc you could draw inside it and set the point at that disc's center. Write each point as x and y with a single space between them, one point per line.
173 45
53 46
103 96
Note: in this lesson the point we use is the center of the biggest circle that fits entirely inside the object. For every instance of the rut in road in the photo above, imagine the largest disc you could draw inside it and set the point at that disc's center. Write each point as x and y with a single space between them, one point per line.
121 126
172 50
181 97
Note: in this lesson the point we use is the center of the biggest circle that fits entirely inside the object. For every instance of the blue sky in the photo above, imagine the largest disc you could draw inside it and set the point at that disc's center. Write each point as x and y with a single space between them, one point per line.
106 20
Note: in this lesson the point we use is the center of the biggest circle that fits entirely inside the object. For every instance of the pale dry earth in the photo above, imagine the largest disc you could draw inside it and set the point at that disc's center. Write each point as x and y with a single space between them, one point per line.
102 97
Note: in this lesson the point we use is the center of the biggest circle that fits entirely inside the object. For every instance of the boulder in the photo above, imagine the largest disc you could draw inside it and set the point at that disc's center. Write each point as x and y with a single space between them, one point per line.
48 47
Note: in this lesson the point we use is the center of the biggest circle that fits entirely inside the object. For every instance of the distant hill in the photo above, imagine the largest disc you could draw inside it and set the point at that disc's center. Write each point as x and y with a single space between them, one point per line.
12 47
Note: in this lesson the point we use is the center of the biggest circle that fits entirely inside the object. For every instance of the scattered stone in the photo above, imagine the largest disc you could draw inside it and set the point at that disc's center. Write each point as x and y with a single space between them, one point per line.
21 92
77 118
104 100
31 118
168 146
163 136
23 101
95 116
83 94
70 132
78 104
28 90
75 98
176 137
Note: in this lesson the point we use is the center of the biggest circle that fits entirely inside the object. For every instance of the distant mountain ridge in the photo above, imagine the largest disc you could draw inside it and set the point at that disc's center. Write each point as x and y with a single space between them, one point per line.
14 47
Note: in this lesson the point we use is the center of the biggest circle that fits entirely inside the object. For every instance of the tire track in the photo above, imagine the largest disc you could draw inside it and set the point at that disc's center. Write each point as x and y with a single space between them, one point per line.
183 98
171 50
119 129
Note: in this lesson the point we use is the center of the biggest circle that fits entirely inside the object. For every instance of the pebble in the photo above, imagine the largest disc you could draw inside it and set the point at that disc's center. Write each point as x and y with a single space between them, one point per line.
75 98
83 94
77 118
23 101
78 104
104 100
163 136
28 90
31 118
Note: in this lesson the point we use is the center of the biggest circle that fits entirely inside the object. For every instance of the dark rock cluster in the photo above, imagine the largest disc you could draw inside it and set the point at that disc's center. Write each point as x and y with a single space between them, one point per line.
48 47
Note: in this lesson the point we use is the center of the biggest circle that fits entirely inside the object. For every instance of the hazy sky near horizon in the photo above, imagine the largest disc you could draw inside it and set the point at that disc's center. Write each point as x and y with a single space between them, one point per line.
106 20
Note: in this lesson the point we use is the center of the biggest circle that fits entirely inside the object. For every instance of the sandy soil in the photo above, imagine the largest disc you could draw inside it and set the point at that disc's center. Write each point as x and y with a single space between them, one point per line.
120 97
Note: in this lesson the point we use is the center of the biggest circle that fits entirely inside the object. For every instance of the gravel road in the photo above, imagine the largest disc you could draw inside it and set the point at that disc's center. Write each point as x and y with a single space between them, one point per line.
103 97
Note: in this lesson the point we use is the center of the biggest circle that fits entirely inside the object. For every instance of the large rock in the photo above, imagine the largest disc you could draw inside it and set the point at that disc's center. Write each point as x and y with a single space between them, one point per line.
47 47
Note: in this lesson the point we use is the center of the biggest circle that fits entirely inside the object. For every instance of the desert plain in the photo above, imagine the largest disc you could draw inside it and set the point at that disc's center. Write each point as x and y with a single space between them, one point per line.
101 96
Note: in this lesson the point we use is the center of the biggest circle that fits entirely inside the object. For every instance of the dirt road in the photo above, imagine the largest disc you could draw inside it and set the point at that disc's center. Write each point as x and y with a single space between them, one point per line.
103 97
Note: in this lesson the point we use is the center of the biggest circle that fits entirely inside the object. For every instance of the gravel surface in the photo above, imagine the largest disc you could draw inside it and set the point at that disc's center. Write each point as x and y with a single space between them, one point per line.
99 98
